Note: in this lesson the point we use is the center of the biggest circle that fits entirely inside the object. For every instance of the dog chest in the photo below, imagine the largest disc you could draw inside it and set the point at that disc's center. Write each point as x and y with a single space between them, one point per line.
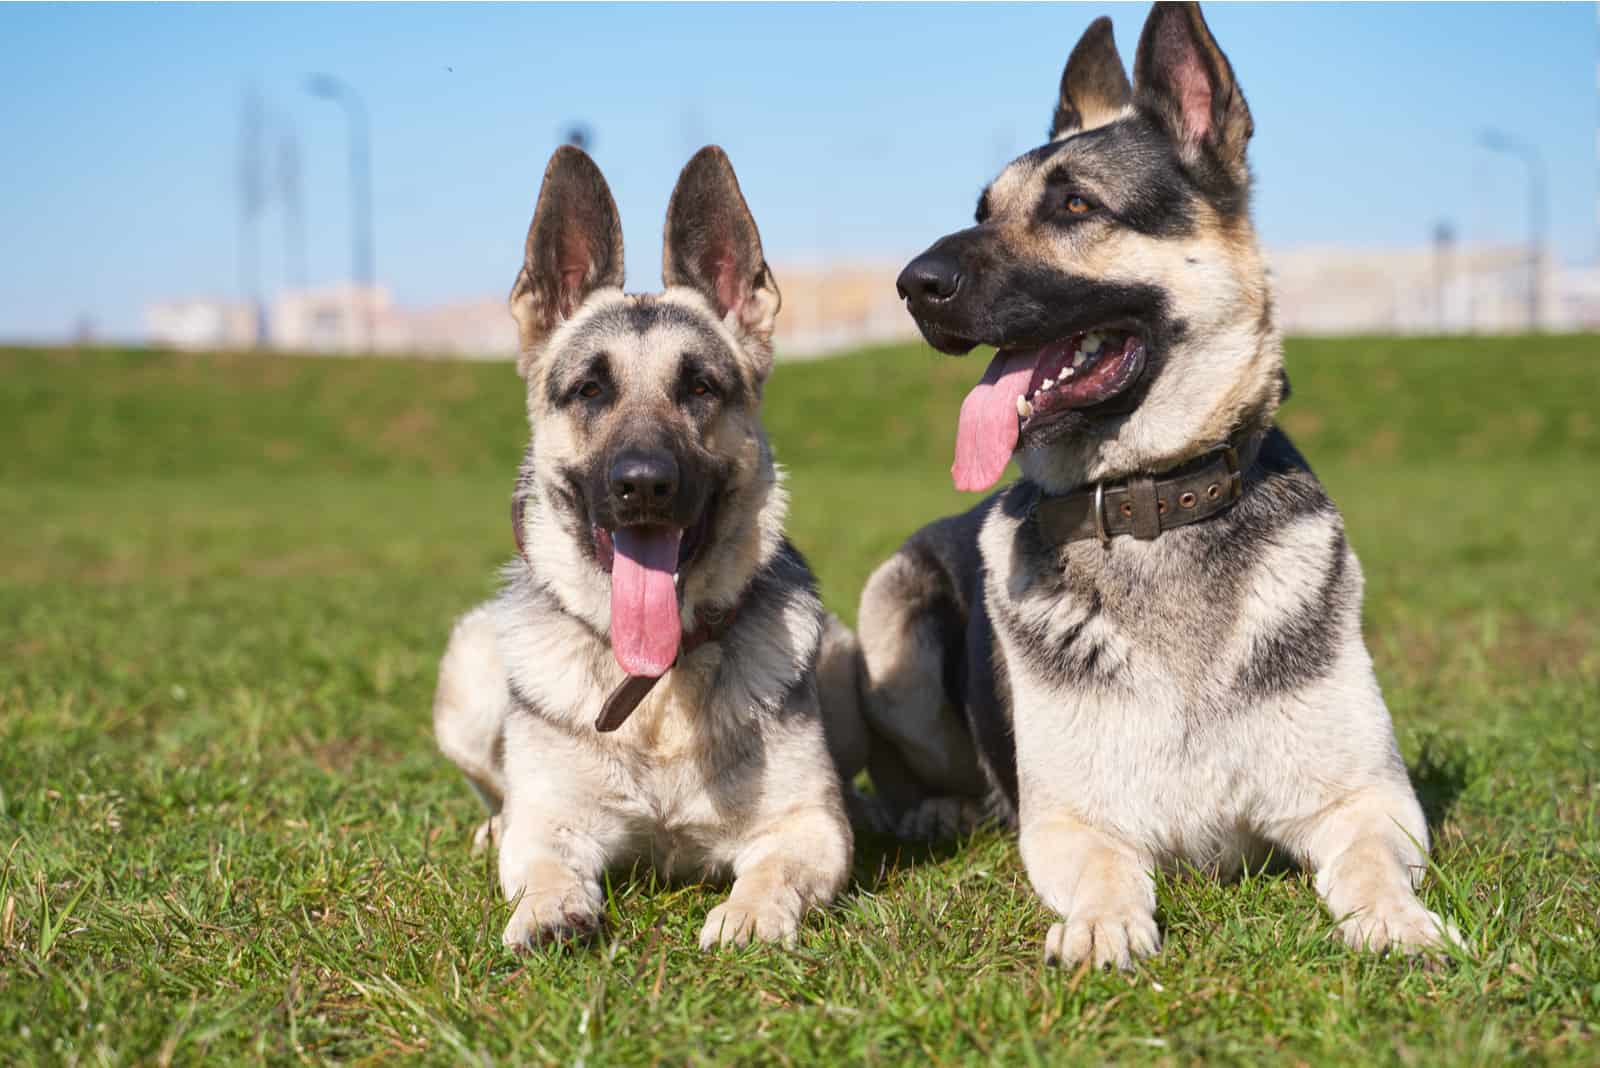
1120 702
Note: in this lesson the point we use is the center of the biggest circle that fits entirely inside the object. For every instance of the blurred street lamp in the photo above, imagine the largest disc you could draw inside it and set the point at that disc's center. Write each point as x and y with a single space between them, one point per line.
1498 141
252 199
328 87
1444 243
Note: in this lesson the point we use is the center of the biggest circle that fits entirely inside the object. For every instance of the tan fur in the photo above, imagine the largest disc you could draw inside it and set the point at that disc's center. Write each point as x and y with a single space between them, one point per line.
1102 114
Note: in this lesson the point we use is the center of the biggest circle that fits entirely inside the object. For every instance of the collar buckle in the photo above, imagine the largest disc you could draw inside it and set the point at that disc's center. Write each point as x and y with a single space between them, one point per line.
1235 479
1100 514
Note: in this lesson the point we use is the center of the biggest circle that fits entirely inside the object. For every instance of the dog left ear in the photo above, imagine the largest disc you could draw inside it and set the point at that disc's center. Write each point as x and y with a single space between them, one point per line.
1094 87
712 245
574 247
1183 78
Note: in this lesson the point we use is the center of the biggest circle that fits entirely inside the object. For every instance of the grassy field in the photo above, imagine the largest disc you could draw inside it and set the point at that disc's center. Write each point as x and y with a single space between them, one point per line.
225 834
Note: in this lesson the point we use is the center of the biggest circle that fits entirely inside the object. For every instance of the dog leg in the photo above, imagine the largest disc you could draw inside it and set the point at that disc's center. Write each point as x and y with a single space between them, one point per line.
470 706
839 671
801 861
1369 853
909 634
1101 888
553 876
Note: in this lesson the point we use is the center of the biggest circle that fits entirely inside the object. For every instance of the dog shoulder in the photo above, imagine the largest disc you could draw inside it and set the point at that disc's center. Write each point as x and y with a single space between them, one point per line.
770 659
1301 585
950 549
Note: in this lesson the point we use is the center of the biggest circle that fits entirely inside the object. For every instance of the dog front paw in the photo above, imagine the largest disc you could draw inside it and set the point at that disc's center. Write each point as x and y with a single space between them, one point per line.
549 918
1402 925
1113 939
737 924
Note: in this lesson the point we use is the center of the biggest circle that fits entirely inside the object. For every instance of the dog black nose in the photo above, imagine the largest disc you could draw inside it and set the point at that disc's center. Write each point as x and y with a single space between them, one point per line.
643 478
931 276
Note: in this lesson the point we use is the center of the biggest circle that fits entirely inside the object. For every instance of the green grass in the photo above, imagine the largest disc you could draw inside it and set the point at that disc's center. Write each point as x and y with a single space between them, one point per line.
225 834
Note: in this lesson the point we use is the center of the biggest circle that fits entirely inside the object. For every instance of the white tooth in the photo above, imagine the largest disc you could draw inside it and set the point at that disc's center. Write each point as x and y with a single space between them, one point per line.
1091 343
1078 359
1067 375
1047 383
1022 407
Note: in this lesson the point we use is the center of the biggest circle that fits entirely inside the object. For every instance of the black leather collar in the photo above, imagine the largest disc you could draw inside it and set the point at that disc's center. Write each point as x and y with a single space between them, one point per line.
1147 504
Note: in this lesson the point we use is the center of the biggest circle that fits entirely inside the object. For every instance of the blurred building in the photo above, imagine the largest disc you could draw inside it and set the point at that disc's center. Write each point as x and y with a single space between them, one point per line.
480 327
334 318
1438 290
1575 298
824 310
827 308
201 323
836 306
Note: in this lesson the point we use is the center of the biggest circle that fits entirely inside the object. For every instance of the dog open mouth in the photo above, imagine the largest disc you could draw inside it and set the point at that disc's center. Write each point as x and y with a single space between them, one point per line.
1025 388
646 562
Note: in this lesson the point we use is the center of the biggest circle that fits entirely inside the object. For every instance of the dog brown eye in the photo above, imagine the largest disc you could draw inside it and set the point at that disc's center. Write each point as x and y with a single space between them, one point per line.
589 390
701 388
1078 205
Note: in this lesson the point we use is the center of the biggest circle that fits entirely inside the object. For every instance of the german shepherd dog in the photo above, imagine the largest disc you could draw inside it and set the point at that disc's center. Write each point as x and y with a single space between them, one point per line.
1147 652
654 579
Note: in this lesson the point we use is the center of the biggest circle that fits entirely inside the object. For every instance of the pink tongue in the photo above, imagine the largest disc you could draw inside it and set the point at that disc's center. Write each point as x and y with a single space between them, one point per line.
989 426
644 600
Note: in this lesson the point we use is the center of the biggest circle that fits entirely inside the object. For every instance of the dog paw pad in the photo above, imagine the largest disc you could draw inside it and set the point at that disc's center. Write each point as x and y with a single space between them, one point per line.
1400 927
736 925
1113 940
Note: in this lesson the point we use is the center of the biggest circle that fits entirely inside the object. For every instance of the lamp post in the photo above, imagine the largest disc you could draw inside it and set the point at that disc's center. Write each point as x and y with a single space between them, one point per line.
1444 241
252 198
328 87
1497 141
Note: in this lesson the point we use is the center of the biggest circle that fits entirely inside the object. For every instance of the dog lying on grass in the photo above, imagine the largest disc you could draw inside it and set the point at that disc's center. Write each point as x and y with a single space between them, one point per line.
645 685
1147 652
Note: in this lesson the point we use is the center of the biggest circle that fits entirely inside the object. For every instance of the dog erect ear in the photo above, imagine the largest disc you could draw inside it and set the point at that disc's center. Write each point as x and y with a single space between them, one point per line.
712 245
1183 78
1094 87
574 247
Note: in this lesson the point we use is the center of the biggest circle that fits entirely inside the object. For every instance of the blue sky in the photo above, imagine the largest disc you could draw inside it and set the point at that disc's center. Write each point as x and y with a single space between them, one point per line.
856 131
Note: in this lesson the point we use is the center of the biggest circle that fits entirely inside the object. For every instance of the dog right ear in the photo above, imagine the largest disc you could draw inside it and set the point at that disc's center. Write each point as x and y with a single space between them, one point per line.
712 245
1187 84
574 247
1094 87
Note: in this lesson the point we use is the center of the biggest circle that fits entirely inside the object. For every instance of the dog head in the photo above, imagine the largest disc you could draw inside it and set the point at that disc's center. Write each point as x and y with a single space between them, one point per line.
647 451
1115 269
